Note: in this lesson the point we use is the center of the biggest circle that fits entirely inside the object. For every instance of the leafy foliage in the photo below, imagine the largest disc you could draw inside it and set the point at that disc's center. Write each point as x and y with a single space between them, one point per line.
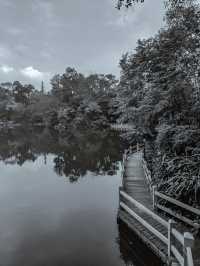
159 88
172 3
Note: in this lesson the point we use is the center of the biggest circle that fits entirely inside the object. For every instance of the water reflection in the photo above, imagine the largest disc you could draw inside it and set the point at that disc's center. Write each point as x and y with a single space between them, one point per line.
48 221
75 154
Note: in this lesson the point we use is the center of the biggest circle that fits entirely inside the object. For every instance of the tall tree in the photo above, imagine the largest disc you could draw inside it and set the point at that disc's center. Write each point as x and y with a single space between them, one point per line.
22 93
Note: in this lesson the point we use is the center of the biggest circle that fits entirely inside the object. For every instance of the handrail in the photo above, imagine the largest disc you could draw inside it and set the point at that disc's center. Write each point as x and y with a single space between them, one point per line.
145 209
185 240
178 203
144 223
147 174
175 233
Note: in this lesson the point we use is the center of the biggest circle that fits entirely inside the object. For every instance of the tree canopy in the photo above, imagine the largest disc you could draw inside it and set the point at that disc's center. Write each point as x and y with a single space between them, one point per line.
172 3
160 95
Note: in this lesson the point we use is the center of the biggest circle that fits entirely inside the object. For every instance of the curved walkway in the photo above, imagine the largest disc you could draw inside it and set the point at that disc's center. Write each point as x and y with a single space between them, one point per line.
135 186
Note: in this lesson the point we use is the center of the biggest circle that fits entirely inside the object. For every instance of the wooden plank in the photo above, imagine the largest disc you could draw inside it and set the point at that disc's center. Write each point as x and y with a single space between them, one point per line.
138 206
144 223
158 249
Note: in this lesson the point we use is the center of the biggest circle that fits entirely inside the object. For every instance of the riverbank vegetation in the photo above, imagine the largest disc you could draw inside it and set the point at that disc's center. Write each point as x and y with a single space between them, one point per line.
158 92
160 88
74 101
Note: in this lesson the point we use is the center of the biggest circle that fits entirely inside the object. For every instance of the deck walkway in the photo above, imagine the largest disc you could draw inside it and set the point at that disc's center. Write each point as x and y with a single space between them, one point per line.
135 185
137 212
134 182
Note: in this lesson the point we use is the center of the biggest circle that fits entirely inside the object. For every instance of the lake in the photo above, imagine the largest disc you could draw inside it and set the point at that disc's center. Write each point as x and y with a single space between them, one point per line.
59 201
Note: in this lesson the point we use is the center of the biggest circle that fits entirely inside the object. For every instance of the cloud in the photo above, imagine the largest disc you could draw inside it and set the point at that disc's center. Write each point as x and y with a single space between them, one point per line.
14 31
44 8
32 73
46 54
4 51
7 3
6 69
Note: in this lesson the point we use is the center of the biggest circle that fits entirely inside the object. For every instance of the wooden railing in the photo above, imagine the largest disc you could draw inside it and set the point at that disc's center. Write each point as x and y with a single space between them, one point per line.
160 200
147 173
158 196
186 240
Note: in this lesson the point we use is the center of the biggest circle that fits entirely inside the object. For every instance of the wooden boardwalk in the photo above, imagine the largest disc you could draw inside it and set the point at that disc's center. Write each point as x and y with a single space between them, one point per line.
136 210
135 185
134 182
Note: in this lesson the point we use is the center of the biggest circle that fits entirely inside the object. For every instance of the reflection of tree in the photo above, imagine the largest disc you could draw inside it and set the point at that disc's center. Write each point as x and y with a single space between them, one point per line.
25 153
96 152
75 153
21 145
133 251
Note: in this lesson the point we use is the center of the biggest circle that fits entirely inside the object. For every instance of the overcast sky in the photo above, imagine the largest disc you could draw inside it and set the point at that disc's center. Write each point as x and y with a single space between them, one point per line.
42 37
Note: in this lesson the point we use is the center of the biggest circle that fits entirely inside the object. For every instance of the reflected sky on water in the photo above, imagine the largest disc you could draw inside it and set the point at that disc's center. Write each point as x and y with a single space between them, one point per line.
59 200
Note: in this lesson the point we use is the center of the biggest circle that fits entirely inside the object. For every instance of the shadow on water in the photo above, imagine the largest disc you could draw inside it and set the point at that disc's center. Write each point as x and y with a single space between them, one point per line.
133 251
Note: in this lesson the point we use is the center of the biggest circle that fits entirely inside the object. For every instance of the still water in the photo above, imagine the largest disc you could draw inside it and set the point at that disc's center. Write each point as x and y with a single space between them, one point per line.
59 201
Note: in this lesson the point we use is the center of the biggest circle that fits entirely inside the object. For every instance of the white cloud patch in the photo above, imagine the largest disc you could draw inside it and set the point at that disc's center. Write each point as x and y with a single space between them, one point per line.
32 73
6 69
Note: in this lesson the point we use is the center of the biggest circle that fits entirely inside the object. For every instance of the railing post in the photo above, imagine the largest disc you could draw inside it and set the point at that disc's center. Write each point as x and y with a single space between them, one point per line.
120 188
170 227
188 243
154 197
123 162
131 149
144 151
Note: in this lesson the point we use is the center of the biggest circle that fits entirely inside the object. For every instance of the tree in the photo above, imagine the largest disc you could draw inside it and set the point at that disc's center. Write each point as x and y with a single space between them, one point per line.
42 87
100 84
171 3
22 93
55 83
159 86
68 85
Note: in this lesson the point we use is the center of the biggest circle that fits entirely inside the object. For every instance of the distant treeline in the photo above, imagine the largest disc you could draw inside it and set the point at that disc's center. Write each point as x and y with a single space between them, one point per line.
74 101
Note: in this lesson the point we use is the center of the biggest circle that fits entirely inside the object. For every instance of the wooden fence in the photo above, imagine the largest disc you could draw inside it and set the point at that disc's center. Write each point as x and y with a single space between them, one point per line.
160 201
180 247
183 256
